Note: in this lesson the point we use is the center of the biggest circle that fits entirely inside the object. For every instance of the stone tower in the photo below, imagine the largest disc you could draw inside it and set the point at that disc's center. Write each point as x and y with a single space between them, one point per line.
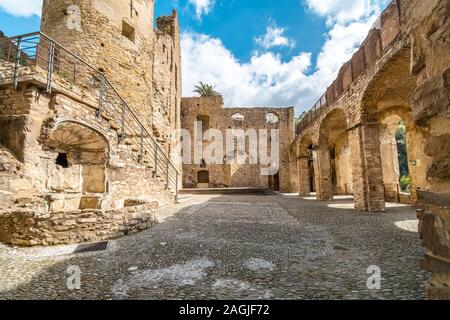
114 36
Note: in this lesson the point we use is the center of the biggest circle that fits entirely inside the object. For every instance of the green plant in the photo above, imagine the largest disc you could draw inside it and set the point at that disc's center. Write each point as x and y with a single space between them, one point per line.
206 90
405 183
400 137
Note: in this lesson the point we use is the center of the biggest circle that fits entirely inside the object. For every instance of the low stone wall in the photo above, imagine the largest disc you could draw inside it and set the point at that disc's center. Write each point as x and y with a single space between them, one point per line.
28 228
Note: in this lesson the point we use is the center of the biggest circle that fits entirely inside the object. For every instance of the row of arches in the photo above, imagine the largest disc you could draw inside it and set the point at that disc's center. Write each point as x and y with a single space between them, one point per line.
379 157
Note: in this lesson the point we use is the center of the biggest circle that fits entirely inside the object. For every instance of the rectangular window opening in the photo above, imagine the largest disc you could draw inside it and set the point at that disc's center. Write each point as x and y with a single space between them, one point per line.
128 31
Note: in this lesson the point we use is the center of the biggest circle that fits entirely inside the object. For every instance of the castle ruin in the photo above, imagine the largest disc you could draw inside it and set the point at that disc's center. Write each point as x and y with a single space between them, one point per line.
91 107
87 150
346 142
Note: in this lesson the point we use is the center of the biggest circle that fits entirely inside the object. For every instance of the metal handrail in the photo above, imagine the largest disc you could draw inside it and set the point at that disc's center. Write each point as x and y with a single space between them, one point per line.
136 118
312 114
44 52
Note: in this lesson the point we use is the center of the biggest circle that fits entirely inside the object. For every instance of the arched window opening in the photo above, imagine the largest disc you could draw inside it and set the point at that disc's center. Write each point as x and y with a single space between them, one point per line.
237 119
272 119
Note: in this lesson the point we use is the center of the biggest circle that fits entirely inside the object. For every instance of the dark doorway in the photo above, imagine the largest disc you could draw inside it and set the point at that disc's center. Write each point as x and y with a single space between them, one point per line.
203 177
333 169
312 180
274 182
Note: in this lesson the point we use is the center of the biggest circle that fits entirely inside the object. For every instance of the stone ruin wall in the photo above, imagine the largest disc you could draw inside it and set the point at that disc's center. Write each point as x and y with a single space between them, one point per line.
104 192
402 70
428 26
383 46
228 175
119 40
167 86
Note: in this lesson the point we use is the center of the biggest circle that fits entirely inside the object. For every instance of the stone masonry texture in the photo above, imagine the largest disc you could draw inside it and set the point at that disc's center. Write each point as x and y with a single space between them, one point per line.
71 173
400 73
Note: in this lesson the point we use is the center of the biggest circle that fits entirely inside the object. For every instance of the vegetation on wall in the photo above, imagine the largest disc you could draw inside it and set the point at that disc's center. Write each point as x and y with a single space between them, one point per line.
405 178
206 90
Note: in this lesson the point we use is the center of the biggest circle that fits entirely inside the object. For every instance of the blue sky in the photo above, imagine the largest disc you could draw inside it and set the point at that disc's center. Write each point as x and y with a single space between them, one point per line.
257 52
238 22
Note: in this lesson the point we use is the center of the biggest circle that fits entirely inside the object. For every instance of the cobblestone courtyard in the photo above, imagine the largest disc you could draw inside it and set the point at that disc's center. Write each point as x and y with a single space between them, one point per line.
236 246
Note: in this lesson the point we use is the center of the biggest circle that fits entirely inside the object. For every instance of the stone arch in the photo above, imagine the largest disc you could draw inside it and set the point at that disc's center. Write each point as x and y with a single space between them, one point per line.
106 135
272 118
389 88
237 116
305 143
387 99
237 119
78 170
333 157
417 160
293 170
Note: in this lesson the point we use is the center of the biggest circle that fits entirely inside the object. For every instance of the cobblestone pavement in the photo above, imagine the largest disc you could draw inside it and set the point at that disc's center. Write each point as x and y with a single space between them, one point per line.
236 247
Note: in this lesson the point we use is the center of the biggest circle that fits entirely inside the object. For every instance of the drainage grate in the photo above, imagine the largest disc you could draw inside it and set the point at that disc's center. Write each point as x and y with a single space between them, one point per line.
91 247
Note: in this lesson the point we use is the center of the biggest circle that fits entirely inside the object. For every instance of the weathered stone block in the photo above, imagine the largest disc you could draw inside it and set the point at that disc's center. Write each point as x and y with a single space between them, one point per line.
431 97
390 24
12 135
330 95
372 47
337 87
358 63
346 75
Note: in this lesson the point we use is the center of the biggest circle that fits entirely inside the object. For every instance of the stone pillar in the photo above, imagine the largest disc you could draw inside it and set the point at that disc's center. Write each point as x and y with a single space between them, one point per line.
293 174
303 176
324 183
430 105
366 168
434 226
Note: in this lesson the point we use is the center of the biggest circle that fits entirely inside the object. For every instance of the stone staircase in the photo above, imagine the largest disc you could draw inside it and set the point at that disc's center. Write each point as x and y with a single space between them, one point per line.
61 66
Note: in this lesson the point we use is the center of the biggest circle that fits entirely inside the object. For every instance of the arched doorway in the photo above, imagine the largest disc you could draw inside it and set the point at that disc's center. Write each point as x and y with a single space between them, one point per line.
387 105
78 171
334 170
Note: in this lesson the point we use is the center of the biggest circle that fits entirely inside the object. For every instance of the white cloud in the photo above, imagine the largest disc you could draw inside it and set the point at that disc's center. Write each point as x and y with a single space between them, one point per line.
265 80
274 37
202 7
268 80
21 8
342 42
345 11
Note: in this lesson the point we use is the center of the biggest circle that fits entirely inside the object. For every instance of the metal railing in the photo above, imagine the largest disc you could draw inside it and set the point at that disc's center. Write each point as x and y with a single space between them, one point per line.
314 113
37 49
